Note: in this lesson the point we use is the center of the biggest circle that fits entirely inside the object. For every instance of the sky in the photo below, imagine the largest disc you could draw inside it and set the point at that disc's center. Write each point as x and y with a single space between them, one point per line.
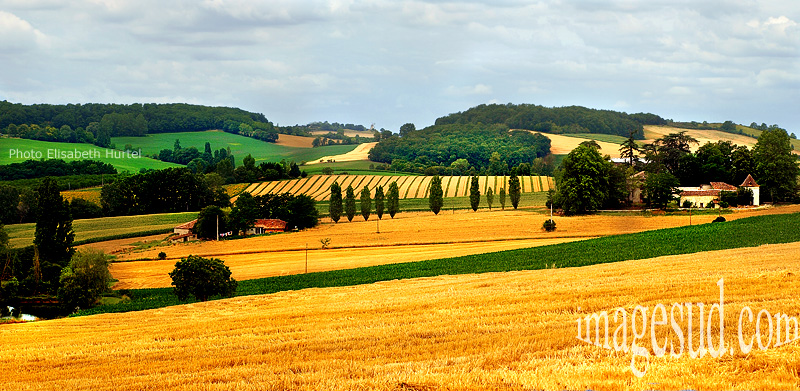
392 62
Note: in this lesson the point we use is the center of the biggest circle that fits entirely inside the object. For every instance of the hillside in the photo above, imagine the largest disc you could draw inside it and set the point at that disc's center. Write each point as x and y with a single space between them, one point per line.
120 160
292 148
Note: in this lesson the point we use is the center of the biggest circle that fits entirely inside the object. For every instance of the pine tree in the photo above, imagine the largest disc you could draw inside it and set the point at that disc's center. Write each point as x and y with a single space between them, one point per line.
436 195
366 203
514 190
335 207
350 203
393 201
474 194
379 198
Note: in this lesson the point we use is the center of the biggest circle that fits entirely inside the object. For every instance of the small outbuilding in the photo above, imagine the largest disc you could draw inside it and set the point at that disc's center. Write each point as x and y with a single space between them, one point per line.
184 232
263 226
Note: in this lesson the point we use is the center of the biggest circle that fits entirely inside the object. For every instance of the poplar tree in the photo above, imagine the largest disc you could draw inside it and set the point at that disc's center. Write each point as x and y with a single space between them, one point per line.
335 207
436 195
350 203
393 201
366 203
474 194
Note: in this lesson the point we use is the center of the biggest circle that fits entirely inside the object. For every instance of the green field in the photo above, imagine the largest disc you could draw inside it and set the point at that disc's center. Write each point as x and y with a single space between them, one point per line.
609 138
240 146
21 235
131 164
747 232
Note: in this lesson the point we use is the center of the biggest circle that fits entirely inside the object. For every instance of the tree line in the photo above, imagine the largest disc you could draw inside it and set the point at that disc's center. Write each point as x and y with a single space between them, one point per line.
571 119
53 167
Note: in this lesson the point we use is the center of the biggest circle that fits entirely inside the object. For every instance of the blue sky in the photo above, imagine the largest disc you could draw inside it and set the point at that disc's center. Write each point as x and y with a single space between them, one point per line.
392 62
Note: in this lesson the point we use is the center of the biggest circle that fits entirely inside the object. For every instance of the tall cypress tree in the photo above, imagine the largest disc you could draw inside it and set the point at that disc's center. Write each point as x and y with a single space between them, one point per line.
503 198
489 197
436 195
53 236
514 190
379 197
366 203
350 203
393 201
335 207
474 194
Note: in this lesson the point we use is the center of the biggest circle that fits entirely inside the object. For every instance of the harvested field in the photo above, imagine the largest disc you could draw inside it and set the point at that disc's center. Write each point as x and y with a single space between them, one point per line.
467 332
562 145
488 229
652 132
360 153
295 141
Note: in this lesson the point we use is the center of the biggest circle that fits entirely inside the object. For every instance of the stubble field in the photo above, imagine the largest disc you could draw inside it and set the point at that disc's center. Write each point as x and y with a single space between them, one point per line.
468 332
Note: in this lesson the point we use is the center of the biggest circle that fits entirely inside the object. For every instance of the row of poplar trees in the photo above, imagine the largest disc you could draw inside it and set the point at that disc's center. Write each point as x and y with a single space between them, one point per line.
390 201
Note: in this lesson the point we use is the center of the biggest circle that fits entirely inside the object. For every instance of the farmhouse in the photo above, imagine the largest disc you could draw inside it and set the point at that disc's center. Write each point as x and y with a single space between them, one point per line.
706 195
184 232
263 226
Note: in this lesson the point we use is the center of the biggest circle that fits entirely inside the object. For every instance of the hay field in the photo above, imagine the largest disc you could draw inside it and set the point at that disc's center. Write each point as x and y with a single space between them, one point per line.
562 145
318 187
469 332
409 236
289 140
652 132
361 152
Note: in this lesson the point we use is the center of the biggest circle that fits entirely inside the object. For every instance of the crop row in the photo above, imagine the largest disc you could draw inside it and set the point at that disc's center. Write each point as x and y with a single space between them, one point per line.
318 186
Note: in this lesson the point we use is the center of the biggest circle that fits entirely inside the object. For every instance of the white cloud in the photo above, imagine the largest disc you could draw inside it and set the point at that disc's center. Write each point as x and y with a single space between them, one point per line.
18 35
477 89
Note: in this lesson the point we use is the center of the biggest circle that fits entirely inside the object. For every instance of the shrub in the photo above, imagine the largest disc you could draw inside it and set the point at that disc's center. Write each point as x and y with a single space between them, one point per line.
162 255
549 225
687 204
202 278
719 219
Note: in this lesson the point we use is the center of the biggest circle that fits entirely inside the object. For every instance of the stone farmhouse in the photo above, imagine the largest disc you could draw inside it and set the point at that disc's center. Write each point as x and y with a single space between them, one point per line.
706 195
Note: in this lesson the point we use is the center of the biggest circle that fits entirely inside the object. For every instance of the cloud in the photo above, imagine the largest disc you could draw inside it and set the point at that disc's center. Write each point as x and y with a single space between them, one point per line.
477 89
17 35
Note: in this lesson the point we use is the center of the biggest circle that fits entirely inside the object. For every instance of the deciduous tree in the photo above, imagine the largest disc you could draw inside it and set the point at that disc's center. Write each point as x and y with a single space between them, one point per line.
583 181
202 278
776 166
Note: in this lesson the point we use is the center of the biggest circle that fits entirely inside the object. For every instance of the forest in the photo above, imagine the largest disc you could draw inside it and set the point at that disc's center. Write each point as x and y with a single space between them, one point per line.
558 120
484 147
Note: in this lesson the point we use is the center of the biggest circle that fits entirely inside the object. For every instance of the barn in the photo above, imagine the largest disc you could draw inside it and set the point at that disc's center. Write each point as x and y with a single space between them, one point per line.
263 226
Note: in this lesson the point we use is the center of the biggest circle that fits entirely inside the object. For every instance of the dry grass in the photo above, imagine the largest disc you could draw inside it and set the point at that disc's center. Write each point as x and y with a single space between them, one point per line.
360 153
288 140
510 331
652 132
562 145
408 237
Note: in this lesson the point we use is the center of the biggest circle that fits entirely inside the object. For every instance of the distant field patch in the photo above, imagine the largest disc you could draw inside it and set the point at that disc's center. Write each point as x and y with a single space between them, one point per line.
240 146
43 148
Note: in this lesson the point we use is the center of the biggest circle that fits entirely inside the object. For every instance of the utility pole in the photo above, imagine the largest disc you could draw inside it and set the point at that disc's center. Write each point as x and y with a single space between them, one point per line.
306 258
378 221
218 228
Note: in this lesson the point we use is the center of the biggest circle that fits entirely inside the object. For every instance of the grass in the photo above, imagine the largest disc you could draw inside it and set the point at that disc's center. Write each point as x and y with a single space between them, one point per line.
122 164
93 230
747 232
240 146
609 138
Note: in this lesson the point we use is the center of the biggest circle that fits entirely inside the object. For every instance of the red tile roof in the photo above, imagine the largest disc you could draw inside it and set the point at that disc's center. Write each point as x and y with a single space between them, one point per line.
749 182
700 193
189 225
722 186
270 224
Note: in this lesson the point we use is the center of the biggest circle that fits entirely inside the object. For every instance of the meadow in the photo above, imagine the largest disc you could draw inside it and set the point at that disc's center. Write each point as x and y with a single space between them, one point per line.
240 146
122 164
105 228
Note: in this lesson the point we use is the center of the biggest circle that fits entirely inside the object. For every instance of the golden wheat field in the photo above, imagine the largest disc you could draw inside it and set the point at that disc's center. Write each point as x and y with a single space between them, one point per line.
495 331
562 145
318 186
652 132
408 237
361 152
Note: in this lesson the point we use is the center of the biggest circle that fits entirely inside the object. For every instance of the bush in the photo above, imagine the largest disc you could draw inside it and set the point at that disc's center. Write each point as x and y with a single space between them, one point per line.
162 255
84 280
687 204
549 225
719 219
202 278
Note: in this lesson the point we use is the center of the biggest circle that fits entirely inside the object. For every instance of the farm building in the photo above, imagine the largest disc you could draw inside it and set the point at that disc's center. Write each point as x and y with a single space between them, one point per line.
635 196
263 226
184 232
706 195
